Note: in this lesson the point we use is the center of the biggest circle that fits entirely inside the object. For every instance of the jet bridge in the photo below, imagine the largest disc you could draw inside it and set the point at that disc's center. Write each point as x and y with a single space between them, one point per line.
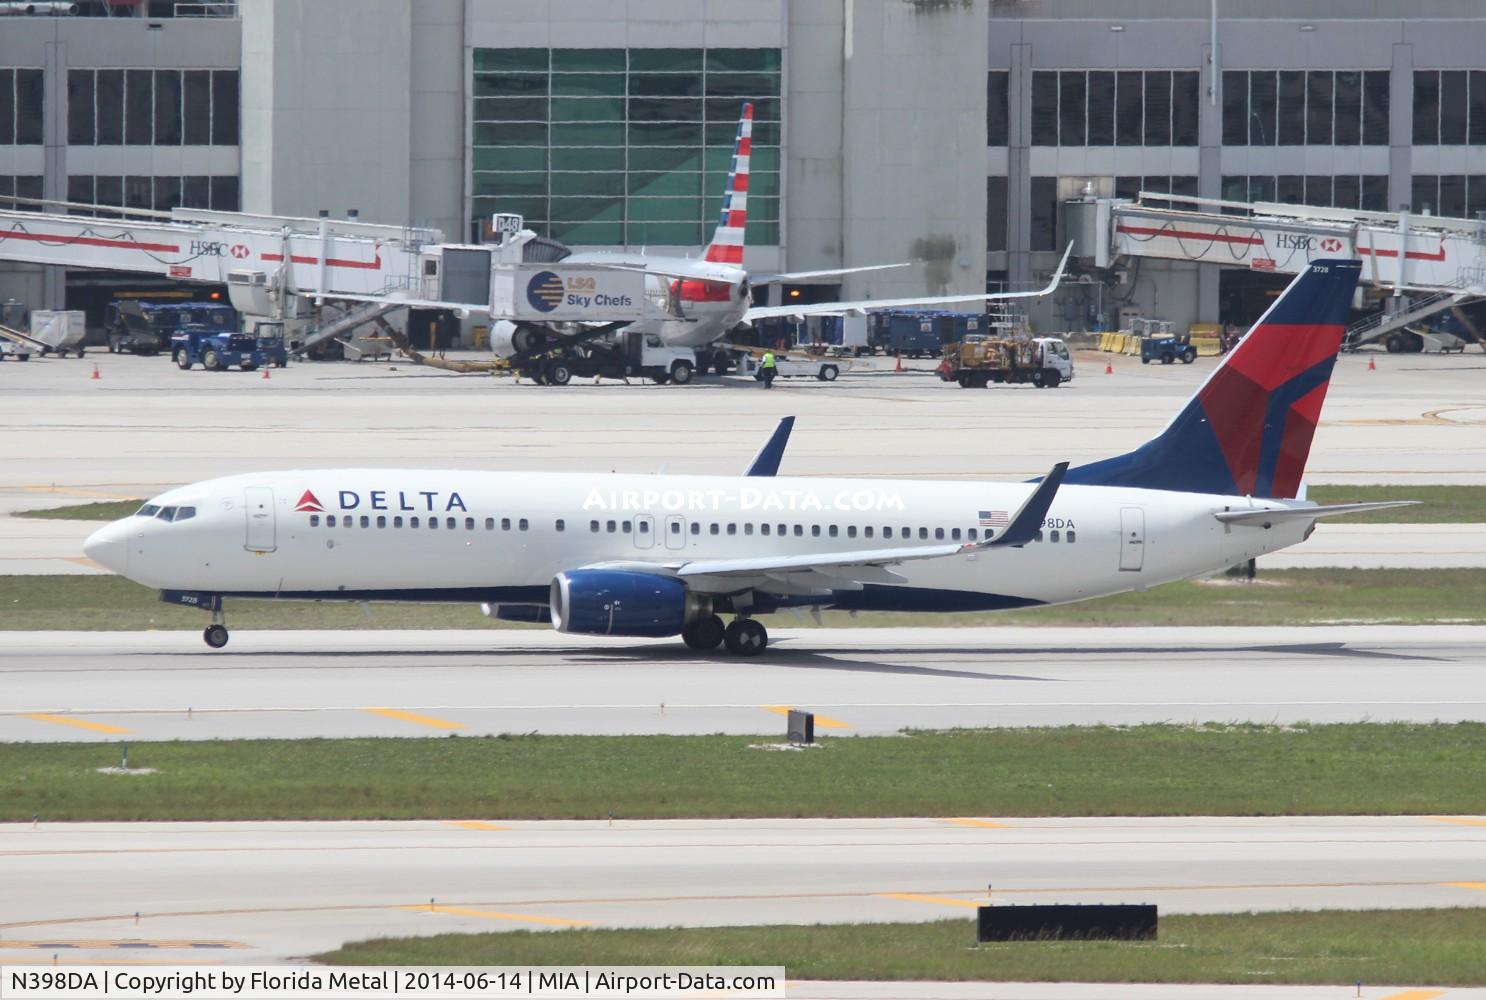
1439 262
281 268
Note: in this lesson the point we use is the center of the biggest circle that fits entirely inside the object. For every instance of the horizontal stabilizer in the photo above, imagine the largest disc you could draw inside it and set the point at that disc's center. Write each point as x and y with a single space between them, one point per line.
1266 517
832 272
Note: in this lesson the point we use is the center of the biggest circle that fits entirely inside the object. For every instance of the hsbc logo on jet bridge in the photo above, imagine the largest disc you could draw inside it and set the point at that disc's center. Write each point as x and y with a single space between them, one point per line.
412 501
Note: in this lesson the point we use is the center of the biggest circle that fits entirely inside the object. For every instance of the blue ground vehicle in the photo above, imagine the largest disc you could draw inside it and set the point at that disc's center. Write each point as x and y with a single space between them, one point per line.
218 350
149 327
1158 343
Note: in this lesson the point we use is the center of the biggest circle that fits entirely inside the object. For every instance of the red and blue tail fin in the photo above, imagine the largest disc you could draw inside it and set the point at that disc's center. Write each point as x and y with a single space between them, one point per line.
1248 430
727 241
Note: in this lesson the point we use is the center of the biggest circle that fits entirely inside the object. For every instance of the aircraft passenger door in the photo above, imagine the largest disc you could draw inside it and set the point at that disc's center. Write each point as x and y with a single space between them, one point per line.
258 508
1132 538
675 532
644 531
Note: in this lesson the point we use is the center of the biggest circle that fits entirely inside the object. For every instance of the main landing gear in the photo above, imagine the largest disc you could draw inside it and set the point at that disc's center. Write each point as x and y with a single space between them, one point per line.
744 637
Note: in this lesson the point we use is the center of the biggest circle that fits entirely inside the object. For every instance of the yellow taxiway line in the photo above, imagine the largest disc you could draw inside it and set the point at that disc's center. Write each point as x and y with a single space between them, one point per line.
67 720
420 720
913 897
476 824
823 721
461 911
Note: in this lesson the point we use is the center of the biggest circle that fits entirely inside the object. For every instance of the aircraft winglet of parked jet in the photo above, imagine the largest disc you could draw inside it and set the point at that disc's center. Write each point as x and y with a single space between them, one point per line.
647 555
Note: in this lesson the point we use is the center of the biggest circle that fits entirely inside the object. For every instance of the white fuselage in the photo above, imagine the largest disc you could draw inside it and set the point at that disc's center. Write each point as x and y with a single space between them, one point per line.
711 298
501 537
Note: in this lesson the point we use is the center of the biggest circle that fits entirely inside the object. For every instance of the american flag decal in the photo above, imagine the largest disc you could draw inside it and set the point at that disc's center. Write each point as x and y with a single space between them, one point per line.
994 518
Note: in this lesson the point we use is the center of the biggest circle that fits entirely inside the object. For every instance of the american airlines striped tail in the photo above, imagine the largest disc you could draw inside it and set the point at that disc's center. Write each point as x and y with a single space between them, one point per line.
727 242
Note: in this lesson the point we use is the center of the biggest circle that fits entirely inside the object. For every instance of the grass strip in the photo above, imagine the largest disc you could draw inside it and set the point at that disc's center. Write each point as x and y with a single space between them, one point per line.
1437 947
1279 597
1440 504
108 510
1238 770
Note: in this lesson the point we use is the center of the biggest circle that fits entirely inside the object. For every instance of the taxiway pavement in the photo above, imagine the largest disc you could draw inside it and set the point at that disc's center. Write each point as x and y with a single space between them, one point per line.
57 686
256 892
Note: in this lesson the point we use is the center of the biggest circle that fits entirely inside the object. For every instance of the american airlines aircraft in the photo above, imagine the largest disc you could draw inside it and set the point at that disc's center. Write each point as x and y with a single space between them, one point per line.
647 555
712 295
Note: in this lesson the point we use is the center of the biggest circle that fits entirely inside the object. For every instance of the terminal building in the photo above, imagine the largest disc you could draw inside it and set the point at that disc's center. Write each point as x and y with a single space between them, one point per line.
945 133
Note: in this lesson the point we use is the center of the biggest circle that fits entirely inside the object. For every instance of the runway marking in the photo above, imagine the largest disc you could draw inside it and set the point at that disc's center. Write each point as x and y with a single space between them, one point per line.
64 720
476 824
1460 820
823 721
461 911
1416 995
982 823
733 897
1468 885
913 897
96 944
421 720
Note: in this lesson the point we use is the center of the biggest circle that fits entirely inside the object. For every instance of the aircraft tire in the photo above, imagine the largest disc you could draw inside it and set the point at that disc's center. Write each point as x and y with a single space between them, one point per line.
704 634
746 637
215 636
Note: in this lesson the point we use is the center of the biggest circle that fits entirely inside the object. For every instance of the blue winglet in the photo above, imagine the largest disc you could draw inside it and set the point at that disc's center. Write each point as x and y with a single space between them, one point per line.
766 462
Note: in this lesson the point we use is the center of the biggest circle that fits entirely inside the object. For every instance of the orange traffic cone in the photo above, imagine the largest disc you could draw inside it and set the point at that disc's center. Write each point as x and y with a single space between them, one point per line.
899 367
1108 368
1372 365
265 373
95 372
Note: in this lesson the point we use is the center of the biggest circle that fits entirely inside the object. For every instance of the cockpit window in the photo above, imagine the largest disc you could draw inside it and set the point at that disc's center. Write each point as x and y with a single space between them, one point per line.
148 510
166 513
185 513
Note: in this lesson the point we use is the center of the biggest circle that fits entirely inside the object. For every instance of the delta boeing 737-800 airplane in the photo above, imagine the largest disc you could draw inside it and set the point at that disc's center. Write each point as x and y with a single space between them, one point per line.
656 555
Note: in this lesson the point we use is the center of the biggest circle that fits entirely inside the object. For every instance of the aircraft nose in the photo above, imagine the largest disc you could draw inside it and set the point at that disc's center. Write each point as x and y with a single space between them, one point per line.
109 546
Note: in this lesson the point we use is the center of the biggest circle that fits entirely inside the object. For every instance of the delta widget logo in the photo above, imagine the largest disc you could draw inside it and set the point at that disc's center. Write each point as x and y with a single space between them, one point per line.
544 291
309 502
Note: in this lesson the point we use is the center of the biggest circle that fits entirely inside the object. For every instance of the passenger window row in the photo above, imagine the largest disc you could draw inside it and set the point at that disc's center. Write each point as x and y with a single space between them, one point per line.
749 528
449 523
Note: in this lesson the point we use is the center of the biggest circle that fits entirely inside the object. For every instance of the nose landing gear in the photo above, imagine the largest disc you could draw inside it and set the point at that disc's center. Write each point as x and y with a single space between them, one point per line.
215 634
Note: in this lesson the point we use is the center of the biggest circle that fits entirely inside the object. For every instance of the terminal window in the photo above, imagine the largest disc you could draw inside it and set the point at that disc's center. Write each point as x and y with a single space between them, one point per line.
21 92
1107 108
1368 192
22 186
615 147
1457 196
160 107
1297 107
1449 108
220 193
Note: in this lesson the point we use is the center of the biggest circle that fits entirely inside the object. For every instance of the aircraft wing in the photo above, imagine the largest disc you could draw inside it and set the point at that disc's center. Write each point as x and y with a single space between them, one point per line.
868 305
1263 517
870 565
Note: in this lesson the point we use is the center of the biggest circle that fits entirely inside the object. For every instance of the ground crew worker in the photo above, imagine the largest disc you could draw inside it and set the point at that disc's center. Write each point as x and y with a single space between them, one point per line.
768 370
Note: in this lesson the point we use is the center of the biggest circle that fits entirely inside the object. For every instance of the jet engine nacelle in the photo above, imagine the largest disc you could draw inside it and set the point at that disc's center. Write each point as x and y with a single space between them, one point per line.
615 602
509 339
